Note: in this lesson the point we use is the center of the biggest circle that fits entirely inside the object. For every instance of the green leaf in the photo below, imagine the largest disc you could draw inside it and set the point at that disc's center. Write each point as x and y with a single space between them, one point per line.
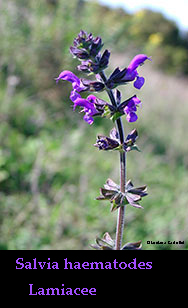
116 116
135 148
107 112
114 206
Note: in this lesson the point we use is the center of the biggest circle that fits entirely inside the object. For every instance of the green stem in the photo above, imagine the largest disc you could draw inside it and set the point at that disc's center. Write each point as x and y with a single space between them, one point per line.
121 210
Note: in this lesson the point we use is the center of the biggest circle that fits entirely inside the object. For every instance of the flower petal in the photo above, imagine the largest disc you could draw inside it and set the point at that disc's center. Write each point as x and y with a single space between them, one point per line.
86 104
92 99
136 61
88 119
136 100
139 82
129 109
69 76
132 117
74 95
130 75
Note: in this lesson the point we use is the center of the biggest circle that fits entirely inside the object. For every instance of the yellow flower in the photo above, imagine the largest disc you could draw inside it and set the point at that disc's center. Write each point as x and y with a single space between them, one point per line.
155 39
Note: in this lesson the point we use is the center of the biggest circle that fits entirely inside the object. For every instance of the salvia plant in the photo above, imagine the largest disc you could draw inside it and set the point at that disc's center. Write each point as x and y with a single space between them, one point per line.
87 49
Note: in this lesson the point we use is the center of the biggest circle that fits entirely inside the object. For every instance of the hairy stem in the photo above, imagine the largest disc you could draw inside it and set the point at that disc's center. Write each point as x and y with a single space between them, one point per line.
121 210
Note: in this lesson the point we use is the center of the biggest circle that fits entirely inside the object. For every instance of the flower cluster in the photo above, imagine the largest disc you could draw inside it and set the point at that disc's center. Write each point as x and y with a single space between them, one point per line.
87 49
90 105
113 142
86 46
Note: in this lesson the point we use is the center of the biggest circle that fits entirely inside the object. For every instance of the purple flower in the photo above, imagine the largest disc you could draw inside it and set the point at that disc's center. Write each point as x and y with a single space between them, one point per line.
131 109
69 76
74 95
129 143
136 61
128 74
91 105
87 104
132 72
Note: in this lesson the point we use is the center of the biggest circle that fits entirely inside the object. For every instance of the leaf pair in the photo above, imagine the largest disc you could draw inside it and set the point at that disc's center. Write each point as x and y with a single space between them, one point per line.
132 195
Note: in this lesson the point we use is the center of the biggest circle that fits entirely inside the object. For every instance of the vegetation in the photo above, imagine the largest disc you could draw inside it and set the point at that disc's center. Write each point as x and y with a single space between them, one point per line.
49 171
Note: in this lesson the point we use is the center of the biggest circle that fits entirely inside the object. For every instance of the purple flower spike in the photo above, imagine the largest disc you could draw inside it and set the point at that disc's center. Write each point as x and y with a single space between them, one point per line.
69 76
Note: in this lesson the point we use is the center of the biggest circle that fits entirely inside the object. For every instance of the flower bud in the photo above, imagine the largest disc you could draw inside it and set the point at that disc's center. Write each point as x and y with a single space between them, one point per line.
81 54
86 46
93 86
108 143
96 46
129 143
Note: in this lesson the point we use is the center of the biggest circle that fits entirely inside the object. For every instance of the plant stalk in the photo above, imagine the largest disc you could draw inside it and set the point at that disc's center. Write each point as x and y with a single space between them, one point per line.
121 209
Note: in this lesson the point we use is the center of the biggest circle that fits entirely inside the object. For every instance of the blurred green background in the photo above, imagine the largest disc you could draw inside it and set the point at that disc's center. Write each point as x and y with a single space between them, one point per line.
50 173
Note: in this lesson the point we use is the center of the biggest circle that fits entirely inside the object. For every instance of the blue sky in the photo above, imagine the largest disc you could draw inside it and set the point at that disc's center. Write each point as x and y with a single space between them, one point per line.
175 10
